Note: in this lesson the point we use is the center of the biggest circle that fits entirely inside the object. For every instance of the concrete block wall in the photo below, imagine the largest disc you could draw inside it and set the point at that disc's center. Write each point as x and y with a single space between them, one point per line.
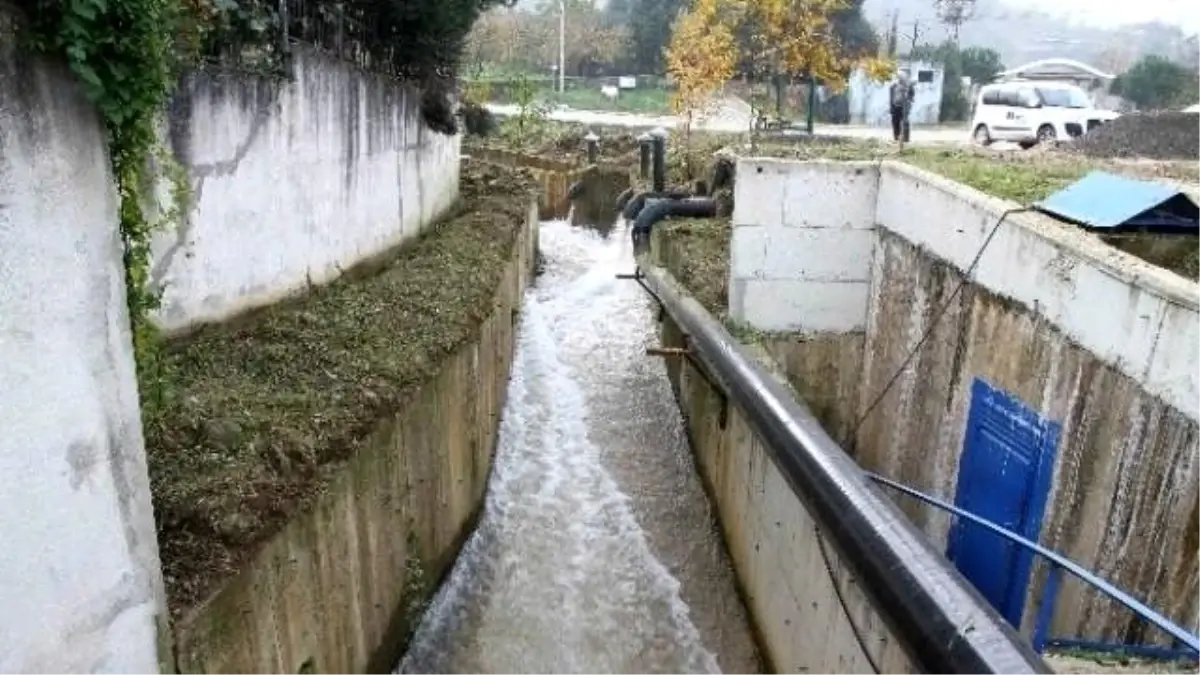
80 585
294 182
800 256
1086 335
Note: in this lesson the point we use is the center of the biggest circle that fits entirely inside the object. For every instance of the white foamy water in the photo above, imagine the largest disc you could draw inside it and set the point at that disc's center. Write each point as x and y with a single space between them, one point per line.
596 551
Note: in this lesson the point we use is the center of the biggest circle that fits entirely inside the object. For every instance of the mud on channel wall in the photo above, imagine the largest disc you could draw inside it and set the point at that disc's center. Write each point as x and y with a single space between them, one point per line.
318 462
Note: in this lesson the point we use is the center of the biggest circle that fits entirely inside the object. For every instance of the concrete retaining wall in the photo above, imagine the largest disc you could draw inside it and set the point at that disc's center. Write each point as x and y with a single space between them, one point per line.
800 623
800 265
81 587
1085 335
294 181
339 588
554 177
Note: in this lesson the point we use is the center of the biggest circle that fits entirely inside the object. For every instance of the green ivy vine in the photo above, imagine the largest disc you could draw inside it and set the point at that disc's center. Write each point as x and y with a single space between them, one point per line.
123 53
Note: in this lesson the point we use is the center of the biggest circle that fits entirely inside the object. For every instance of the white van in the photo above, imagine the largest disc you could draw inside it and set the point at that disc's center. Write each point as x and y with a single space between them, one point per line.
1029 113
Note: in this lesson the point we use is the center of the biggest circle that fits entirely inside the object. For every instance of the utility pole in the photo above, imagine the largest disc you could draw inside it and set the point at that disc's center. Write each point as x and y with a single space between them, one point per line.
913 37
562 46
893 35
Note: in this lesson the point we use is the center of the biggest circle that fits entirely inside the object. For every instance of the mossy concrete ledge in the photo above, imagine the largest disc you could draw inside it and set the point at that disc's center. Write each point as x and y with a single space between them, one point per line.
340 587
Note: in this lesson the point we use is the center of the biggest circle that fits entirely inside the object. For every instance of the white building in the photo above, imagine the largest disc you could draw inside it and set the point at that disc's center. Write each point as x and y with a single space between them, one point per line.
869 100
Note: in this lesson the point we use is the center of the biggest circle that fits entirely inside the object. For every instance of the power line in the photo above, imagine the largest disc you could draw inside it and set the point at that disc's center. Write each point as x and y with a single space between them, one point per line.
852 441
837 591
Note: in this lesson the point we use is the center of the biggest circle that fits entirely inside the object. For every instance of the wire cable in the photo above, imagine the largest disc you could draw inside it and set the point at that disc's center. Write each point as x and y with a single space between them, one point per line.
837 591
852 439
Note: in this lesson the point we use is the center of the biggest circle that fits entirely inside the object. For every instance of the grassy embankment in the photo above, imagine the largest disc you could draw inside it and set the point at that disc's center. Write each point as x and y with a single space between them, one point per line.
261 411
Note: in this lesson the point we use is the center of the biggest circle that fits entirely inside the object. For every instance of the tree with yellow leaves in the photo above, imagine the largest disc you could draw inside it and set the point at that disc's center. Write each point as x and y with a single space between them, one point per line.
701 58
763 38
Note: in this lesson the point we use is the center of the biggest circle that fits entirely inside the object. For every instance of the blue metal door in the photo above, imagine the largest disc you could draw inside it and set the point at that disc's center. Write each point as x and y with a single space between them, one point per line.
1004 477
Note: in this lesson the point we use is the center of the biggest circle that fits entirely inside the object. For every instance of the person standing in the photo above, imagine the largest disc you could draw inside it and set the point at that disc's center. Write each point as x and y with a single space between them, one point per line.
901 98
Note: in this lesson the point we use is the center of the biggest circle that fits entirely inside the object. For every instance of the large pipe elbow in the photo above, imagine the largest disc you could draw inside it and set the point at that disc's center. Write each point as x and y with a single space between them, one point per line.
634 206
623 199
659 209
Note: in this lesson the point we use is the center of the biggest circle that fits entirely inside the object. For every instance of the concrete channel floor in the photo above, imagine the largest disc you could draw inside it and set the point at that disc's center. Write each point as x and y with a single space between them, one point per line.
1065 663
597 550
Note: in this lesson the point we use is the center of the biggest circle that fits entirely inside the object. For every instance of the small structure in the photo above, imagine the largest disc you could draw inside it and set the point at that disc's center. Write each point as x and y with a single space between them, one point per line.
869 100
1092 80
1108 204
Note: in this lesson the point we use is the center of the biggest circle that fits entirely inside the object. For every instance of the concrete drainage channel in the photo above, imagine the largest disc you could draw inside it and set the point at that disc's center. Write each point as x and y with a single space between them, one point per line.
833 575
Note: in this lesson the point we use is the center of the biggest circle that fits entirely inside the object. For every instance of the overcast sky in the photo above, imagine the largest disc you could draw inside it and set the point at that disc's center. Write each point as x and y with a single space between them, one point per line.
1112 13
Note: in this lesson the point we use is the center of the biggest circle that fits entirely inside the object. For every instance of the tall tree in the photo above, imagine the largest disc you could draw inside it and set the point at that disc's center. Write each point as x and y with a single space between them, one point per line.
700 58
980 64
648 25
1154 82
855 34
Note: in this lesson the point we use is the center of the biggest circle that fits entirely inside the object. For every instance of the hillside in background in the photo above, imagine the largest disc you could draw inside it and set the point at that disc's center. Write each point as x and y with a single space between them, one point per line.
1021 35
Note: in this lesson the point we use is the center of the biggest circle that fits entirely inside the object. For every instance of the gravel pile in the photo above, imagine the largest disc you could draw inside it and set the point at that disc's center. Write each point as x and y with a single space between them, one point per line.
1167 135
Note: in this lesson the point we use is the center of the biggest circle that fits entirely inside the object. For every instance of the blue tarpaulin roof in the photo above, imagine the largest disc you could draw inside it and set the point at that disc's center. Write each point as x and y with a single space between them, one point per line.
1104 201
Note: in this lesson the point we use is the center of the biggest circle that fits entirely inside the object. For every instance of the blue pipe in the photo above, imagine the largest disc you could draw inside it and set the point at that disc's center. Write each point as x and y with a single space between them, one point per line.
1164 624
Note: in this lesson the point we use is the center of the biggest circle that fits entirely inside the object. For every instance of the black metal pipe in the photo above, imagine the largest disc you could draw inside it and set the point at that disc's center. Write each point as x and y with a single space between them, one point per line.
634 206
657 209
659 143
944 624
623 198
644 151
593 147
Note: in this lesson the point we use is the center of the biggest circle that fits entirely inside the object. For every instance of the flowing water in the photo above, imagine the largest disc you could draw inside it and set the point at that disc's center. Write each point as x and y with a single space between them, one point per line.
597 550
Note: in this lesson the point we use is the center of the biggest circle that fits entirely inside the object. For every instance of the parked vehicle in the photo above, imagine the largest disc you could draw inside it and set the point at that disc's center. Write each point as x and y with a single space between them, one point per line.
1029 113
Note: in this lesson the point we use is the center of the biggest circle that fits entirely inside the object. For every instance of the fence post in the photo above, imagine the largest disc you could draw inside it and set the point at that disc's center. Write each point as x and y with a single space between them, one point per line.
593 146
1045 615
659 169
644 142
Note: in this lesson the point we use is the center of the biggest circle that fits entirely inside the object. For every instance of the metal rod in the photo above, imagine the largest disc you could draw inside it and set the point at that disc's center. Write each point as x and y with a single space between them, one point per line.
593 147
1144 651
658 143
562 46
943 623
666 351
1136 606
644 149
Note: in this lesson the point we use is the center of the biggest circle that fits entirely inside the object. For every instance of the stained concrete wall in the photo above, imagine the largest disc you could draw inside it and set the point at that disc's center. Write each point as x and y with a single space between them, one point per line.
338 589
773 543
1083 333
294 180
81 589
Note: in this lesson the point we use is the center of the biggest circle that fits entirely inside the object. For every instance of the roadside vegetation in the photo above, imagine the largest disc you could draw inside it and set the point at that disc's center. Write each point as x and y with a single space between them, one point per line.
262 409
